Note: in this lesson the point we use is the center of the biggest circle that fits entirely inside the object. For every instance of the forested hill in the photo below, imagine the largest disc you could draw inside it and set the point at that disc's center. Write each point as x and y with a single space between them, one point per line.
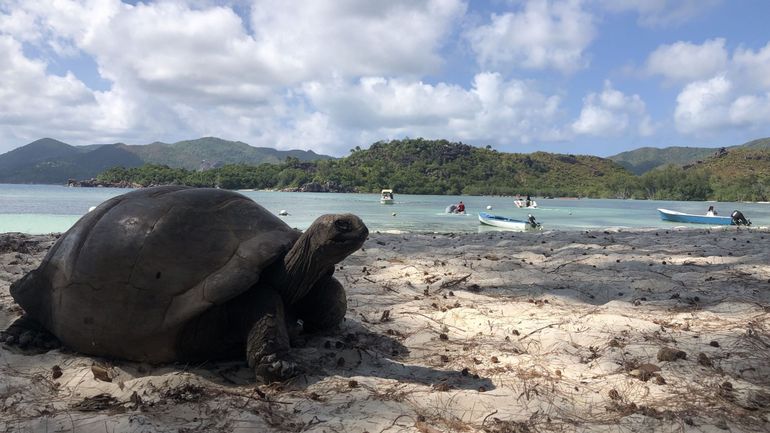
644 159
413 166
440 167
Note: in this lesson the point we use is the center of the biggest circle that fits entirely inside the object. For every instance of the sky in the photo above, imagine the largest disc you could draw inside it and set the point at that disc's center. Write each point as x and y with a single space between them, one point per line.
571 76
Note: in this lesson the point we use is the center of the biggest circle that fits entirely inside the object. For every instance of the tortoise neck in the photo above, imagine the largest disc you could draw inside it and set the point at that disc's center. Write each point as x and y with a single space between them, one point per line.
302 269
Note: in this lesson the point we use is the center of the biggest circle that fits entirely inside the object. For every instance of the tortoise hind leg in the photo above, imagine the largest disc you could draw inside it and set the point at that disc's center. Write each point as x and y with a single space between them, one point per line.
324 306
267 343
29 335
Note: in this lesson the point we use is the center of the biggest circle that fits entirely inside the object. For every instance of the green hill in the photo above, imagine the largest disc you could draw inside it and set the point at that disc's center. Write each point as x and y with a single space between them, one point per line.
37 151
644 159
211 152
440 167
51 161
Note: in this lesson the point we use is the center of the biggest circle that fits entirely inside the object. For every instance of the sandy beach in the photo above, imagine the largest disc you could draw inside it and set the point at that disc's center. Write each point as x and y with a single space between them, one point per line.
634 331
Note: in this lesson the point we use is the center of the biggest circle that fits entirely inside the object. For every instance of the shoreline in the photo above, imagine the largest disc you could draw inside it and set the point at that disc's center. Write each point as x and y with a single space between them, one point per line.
479 332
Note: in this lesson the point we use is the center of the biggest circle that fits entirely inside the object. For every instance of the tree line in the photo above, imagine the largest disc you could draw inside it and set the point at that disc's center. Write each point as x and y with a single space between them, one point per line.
418 166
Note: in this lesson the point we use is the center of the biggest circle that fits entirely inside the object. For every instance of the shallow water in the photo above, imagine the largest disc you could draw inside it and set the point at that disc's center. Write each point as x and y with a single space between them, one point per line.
51 208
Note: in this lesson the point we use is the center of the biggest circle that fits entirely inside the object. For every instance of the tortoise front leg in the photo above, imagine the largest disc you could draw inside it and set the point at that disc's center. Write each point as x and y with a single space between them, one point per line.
324 306
267 344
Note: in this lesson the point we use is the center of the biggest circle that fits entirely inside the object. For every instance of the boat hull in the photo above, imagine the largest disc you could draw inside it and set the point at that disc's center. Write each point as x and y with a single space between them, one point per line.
503 222
681 217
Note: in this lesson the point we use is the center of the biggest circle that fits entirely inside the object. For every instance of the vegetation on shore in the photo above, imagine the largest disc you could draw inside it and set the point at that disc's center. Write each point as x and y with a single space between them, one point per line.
417 166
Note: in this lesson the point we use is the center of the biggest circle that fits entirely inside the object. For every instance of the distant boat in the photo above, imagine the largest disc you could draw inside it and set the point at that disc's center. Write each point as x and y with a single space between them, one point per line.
386 196
452 208
523 204
681 217
508 223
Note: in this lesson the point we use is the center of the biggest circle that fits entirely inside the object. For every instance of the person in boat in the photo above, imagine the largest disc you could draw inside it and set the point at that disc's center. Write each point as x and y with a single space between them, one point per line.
532 223
460 208
529 200
711 211
739 219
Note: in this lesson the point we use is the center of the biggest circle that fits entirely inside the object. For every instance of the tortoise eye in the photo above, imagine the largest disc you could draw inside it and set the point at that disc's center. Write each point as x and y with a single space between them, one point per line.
342 225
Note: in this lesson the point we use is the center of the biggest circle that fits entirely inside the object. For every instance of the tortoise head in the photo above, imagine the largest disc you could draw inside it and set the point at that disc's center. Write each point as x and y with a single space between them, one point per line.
333 237
326 242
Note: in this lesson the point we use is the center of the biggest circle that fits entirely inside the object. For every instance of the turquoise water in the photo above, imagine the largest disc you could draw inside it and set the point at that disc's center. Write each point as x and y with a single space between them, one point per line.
51 208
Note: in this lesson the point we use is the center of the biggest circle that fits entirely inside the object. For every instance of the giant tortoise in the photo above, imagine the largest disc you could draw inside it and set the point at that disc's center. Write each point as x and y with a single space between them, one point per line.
186 274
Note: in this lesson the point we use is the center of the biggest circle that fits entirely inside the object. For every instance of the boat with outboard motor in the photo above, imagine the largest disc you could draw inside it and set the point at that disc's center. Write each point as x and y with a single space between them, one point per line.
509 223
736 218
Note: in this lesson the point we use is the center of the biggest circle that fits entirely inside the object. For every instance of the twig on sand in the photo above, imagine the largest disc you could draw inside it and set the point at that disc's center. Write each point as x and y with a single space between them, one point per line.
430 318
487 417
393 423
452 283
540 329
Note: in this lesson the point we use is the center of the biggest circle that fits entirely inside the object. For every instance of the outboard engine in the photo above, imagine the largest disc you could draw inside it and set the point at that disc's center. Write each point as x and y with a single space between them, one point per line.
739 219
532 223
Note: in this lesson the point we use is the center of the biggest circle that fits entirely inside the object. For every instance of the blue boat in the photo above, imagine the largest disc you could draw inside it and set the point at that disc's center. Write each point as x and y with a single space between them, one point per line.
681 217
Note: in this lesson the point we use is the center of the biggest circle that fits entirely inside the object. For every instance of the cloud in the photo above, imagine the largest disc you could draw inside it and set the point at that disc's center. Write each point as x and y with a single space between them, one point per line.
179 68
544 35
703 105
368 38
753 66
611 113
685 61
735 97
492 110
31 100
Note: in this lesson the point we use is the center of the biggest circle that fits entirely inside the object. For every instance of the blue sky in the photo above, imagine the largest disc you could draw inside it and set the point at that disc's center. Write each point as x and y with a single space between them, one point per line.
575 76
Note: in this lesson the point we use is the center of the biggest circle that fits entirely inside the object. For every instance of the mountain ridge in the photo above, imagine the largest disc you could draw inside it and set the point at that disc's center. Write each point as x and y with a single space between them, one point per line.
645 159
51 161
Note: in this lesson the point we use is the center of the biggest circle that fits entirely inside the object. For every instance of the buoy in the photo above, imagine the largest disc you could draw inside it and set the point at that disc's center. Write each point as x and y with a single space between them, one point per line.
394 214
283 212
489 207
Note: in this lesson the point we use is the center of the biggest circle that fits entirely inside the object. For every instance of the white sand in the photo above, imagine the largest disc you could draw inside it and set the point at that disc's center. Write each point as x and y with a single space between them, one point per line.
492 332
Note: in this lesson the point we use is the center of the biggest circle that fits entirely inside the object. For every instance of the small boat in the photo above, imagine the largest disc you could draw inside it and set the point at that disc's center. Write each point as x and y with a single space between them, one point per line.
523 204
508 223
452 208
681 217
386 196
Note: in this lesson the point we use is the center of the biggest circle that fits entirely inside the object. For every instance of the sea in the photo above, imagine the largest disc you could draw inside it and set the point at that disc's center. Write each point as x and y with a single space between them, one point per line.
39 209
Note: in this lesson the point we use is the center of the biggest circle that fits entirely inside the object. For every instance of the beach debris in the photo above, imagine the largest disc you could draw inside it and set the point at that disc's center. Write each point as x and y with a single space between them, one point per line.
56 372
704 360
96 403
644 372
187 393
101 373
670 354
